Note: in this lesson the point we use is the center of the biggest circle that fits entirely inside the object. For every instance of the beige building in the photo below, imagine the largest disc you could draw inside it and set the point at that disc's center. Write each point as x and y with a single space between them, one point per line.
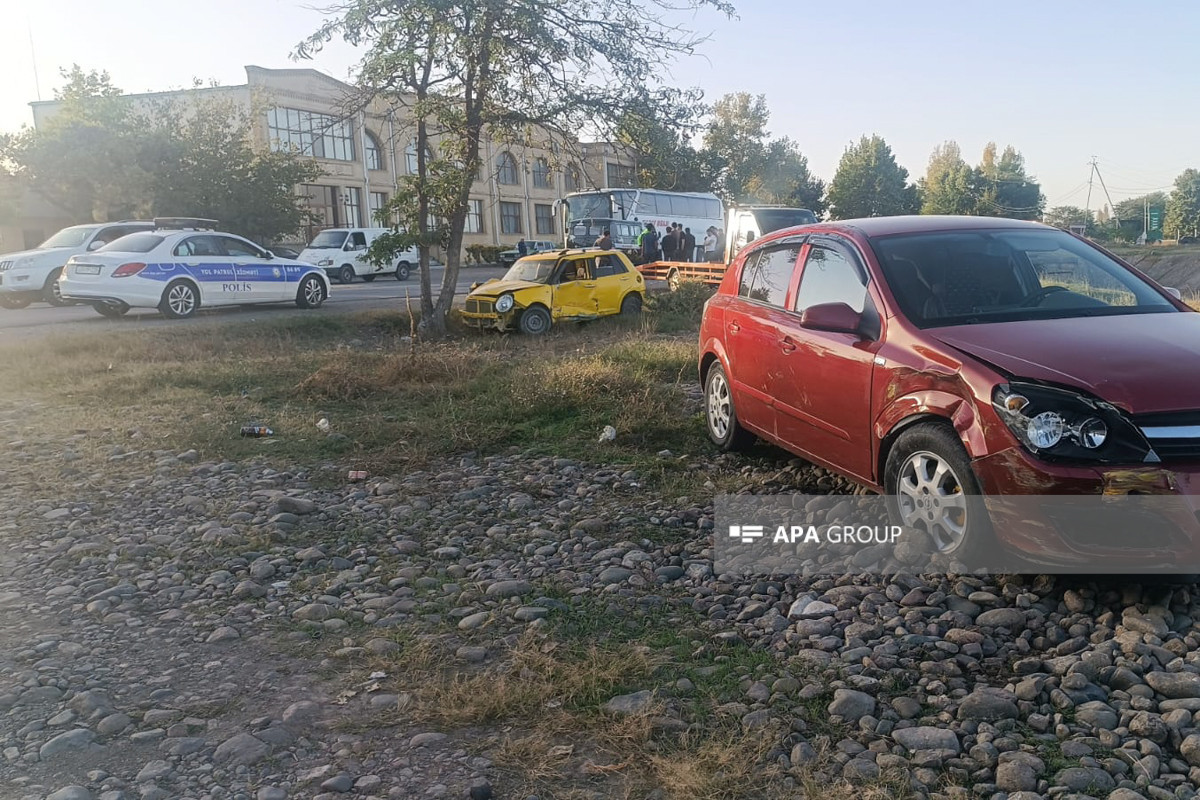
365 155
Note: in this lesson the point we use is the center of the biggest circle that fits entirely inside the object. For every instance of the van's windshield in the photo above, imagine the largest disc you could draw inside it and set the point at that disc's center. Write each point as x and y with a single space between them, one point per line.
328 240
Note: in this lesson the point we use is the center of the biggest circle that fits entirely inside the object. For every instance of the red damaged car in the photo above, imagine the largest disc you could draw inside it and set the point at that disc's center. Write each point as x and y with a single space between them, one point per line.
935 358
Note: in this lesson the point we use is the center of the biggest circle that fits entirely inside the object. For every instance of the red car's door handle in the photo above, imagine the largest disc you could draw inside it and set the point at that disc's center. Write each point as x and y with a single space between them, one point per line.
734 327
787 345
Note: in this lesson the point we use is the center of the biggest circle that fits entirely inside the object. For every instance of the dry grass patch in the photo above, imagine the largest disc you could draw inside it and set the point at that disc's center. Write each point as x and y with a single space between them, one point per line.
534 678
720 764
390 406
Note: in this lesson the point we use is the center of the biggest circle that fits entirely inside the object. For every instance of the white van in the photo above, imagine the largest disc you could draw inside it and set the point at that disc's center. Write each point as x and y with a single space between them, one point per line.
340 252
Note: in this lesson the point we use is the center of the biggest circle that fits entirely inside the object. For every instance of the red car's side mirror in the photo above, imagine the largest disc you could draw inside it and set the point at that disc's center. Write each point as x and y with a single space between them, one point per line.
835 317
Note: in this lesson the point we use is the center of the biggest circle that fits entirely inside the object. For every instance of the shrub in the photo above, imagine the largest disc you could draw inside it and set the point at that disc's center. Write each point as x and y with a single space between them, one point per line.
688 300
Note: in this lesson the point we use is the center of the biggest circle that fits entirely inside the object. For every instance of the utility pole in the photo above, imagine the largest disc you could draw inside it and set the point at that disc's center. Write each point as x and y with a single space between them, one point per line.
37 83
1095 173
1088 205
1107 196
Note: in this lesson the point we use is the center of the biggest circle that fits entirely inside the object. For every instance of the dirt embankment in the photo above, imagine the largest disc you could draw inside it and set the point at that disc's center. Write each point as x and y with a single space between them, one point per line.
1178 267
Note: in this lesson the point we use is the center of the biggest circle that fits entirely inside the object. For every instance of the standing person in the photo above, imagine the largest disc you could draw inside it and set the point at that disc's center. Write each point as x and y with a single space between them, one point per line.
649 244
669 243
689 245
720 249
710 244
605 240
522 248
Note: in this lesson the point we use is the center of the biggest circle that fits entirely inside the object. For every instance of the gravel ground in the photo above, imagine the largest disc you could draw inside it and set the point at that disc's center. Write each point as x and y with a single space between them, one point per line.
174 627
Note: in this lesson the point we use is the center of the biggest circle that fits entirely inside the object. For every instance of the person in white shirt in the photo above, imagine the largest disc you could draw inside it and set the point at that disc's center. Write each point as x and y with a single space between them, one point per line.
710 244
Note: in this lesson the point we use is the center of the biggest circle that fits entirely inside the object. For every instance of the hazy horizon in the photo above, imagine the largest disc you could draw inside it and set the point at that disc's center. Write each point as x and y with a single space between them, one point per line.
1060 82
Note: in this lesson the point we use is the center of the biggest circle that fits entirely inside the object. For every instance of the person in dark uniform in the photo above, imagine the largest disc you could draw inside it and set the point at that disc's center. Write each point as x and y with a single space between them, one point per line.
689 246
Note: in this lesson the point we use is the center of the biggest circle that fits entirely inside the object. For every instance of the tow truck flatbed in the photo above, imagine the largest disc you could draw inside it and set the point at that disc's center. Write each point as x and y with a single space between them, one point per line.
676 272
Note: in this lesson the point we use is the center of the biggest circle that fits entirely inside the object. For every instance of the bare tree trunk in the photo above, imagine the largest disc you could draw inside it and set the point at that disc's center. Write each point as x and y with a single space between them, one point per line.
432 324
476 84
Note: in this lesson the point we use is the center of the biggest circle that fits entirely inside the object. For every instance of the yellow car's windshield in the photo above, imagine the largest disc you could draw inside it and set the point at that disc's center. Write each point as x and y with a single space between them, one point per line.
534 270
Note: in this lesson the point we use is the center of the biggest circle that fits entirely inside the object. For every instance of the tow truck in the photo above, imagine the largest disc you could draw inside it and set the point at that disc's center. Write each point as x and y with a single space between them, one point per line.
744 224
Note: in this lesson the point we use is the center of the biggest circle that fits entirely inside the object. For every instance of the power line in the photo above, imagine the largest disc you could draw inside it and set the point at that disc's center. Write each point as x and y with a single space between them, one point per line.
1142 188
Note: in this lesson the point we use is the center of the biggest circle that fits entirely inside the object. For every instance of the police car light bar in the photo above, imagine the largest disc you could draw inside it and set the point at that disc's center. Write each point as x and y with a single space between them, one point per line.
185 223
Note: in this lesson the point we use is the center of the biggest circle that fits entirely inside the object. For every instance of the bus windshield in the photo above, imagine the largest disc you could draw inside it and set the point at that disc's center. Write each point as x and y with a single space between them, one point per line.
598 204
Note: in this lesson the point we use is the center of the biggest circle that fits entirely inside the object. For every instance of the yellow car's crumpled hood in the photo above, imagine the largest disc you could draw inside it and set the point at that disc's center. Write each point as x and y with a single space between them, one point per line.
500 287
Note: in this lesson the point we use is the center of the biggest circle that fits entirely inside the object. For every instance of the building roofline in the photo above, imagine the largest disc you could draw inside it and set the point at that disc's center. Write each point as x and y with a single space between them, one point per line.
136 95
250 69
308 71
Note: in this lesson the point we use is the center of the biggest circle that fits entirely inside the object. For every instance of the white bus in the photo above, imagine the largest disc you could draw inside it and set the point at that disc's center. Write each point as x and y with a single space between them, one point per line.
625 212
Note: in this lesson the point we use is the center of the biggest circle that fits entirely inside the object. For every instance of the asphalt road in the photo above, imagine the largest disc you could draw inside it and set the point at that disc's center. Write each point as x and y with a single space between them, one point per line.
40 319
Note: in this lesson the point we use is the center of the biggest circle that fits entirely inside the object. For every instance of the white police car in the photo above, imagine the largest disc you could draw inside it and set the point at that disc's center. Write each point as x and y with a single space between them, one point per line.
31 275
184 264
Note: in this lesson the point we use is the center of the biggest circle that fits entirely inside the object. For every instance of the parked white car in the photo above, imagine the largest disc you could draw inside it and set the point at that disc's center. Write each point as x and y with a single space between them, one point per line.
180 271
31 275
341 253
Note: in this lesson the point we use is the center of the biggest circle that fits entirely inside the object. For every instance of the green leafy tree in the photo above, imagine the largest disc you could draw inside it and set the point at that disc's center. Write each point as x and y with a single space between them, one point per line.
658 129
1134 208
10 195
85 85
1129 216
949 185
84 158
734 142
1066 216
102 157
1004 188
202 162
746 165
517 69
783 178
1183 206
869 183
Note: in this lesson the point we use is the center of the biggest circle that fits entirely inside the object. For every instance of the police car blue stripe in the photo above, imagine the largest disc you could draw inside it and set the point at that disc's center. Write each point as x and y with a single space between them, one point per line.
223 273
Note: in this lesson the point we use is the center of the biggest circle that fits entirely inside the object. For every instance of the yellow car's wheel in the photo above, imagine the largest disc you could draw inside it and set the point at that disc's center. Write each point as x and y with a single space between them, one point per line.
535 321
631 306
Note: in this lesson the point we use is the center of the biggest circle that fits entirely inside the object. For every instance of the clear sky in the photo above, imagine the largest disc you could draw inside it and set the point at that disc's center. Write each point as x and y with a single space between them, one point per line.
1061 80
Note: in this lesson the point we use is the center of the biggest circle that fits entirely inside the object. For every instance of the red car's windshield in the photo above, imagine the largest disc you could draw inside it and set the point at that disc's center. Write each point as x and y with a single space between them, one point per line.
966 277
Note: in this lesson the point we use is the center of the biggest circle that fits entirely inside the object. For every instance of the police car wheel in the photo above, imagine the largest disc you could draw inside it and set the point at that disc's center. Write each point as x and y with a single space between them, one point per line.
14 301
311 293
179 301
346 274
402 270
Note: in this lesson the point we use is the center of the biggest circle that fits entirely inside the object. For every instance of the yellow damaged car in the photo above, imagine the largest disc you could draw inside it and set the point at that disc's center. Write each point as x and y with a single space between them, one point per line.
547 288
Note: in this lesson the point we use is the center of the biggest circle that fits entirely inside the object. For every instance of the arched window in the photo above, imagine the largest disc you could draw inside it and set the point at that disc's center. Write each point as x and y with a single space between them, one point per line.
410 157
572 178
506 170
374 152
541 173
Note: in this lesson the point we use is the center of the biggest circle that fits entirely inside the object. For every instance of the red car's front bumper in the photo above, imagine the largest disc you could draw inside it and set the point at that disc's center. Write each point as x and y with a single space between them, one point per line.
1127 518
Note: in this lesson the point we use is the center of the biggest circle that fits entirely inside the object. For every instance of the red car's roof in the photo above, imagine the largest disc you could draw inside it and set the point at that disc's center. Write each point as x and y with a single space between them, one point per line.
924 223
